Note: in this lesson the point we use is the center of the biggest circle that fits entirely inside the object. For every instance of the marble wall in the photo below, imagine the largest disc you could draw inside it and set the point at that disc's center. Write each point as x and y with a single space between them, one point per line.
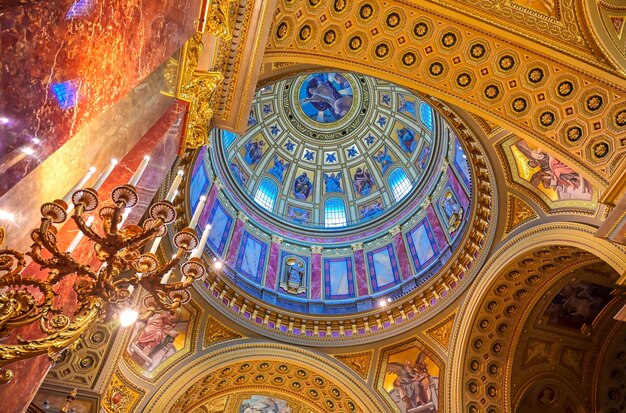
66 62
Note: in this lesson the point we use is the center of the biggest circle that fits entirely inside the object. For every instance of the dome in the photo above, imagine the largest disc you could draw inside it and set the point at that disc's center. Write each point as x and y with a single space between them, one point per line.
344 191
333 150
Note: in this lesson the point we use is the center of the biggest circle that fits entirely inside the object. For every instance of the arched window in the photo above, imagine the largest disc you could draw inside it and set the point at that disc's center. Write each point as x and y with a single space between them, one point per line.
228 138
334 213
426 115
266 194
399 183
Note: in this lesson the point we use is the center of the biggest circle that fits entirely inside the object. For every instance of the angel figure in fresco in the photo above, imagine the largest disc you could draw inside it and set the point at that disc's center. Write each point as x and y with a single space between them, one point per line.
323 95
415 390
406 138
554 174
453 211
363 182
279 168
384 159
294 276
302 187
254 152
333 182
372 209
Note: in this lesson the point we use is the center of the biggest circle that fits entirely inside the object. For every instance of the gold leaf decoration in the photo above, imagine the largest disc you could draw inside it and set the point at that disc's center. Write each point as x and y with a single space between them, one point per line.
359 362
442 332
518 212
215 332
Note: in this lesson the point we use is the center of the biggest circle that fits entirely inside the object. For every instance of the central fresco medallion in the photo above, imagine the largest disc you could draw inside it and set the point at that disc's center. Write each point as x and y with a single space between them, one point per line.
326 97
351 190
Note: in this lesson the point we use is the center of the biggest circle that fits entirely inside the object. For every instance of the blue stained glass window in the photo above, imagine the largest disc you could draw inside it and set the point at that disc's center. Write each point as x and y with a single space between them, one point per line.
334 213
426 115
266 194
399 183
228 138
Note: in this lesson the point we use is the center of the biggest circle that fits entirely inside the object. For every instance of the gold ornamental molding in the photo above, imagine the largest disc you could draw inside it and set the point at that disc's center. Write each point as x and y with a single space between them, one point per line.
442 332
359 362
573 109
215 332
551 236
311 377
518 212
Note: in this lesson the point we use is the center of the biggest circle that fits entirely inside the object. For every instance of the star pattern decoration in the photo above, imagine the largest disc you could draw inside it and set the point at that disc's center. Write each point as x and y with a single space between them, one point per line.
386 99
352 152
267 108
290 146
382 121
331 157
309 155
369 140
275 130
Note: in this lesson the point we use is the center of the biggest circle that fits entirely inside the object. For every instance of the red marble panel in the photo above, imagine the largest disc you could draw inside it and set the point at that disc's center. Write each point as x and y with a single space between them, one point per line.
235 240
316 276
272 267
403 257
433 219
65 62
458 189
208 206
161 143
361 274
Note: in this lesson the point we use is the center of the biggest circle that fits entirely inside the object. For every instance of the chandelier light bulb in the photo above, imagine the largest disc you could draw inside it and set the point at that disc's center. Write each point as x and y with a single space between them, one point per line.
128 316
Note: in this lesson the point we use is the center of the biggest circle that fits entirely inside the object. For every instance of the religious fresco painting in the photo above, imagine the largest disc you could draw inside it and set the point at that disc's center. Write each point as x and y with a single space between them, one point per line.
326 97
240 176
278 168
251 257
294 274
264 404
371 209
302 187
383 268
411 380
407 105
338 278
298 215
221 223
362 180
384 159
553 178
407 139
158 339
252 152
577 304
332 182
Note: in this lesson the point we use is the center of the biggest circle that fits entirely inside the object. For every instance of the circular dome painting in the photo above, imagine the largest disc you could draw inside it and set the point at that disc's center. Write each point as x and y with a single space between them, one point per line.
326 97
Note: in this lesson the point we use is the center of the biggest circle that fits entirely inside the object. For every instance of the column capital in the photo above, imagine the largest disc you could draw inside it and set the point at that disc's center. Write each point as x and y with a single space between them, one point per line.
277 240
316 249
395 230
357 246
242 216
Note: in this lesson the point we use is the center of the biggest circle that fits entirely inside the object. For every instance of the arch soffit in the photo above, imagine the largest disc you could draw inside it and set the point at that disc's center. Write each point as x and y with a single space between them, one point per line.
552 234
253 350
383 58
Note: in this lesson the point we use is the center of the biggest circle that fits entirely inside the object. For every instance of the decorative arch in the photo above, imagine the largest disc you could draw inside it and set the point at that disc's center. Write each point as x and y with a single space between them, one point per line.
499 279
335 214
333 387
266 194
430 49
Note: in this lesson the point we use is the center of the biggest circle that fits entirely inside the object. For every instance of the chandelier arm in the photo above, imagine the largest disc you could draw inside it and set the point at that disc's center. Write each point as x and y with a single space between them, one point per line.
54 344
87 230
10 258
147 235
116 218
44 237
23 308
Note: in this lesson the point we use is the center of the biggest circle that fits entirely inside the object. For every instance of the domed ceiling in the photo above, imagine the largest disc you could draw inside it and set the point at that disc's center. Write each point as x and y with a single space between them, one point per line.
344 192
333 150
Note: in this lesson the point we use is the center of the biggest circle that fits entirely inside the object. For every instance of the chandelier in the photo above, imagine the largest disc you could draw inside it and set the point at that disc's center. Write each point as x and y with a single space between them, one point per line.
29 301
